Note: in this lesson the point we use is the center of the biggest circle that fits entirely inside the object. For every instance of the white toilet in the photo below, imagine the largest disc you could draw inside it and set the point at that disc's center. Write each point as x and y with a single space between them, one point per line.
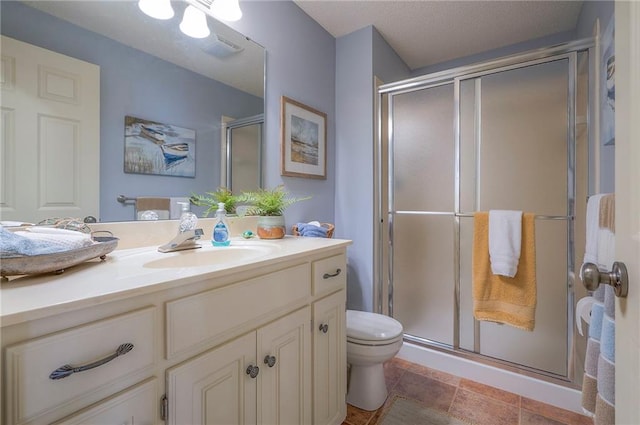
372 339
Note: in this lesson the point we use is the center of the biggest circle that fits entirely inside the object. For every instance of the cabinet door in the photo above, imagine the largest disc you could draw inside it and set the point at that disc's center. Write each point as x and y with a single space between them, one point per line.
329 360
284 385
215 388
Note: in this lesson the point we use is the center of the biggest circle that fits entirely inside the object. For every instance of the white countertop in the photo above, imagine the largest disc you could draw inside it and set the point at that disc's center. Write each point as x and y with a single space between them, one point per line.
131 272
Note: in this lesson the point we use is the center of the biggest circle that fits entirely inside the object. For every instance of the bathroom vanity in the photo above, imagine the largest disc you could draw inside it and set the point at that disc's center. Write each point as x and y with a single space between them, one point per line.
251 333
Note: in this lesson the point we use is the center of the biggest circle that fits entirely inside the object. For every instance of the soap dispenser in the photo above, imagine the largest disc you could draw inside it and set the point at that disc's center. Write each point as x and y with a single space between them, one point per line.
220 235
188 220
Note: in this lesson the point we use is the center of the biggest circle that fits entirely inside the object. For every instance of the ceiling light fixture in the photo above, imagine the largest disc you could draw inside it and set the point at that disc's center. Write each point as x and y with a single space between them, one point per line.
194 23
159 9
226 10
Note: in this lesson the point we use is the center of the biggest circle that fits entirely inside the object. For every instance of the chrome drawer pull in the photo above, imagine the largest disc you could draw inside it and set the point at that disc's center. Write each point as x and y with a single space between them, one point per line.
327 275
66 370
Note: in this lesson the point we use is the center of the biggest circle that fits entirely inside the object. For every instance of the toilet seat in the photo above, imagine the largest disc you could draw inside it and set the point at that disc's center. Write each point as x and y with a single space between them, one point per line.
372 329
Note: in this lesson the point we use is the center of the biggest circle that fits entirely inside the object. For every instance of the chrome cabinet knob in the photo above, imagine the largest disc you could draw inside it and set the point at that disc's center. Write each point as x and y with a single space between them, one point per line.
269 360
618 278
324 328
253 371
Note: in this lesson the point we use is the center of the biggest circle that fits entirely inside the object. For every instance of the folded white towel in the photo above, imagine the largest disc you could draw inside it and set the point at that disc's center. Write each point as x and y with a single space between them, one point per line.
505 240
58 239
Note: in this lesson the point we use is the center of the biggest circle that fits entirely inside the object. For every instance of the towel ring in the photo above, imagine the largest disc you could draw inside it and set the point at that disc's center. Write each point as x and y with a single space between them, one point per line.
617 277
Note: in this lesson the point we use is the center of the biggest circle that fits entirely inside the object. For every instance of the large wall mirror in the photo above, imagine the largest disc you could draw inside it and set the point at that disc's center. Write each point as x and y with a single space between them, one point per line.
148 76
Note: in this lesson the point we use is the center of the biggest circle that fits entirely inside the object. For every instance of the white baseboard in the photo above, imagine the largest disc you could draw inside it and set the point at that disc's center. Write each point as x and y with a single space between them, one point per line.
526 386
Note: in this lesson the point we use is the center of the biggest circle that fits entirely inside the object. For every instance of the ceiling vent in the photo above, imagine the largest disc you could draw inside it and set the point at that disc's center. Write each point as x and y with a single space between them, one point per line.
205 3
221 47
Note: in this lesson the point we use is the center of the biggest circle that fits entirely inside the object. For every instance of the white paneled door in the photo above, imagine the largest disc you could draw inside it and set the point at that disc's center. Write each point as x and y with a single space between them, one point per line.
50 138
627 18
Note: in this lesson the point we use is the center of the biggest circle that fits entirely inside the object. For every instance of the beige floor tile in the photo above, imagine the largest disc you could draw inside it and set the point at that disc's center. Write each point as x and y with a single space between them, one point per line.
430 392
483 410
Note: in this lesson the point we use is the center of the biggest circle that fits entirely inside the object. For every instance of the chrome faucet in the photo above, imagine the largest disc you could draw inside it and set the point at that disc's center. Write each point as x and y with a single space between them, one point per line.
183 240
187 232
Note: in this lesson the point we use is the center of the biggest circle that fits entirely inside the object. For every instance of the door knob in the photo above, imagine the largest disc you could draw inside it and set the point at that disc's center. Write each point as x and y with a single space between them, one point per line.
617 277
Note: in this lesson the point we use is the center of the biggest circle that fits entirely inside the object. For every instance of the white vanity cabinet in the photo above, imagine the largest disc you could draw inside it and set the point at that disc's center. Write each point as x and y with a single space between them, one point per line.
262 377
329 340
265 345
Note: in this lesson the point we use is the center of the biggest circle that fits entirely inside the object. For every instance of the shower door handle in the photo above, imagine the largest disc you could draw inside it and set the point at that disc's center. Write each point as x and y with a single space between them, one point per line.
618 278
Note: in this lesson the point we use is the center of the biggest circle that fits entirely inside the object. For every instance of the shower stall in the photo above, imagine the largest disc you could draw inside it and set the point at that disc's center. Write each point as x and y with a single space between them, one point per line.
508 134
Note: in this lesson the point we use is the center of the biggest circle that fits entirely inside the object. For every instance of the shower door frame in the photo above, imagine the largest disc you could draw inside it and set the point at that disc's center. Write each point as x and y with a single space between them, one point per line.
566 51
257 120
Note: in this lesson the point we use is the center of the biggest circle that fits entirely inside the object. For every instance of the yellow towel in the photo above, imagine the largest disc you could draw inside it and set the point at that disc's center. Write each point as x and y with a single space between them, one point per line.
502 299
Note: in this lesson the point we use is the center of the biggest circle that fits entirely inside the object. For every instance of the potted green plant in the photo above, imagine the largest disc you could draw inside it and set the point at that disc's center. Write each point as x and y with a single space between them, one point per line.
211 200
269 206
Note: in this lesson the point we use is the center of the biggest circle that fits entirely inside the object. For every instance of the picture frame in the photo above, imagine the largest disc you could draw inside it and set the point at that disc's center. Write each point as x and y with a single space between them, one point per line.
304 140
152 147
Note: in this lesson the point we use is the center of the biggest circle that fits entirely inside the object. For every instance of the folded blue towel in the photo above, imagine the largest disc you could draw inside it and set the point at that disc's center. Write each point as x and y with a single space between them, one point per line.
12 245
311 230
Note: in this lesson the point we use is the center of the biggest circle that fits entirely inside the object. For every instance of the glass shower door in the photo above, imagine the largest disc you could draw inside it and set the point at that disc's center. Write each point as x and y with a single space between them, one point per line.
500 139
421 209
516 154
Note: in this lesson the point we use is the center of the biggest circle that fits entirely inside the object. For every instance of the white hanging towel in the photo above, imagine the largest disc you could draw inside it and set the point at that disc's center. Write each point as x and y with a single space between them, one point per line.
505 240
592 228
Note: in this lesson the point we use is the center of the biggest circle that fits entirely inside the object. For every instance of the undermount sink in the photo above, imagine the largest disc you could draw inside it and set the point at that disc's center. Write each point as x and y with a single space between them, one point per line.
209 256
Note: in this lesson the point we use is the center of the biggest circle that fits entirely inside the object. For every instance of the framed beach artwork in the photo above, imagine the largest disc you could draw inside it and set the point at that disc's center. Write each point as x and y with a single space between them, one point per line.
304 140
152 147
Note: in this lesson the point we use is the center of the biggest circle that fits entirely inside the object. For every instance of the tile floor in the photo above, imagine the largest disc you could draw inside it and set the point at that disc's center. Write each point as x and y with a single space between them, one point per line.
476 403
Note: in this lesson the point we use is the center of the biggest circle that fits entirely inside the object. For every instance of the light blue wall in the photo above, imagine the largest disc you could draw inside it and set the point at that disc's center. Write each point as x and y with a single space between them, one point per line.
196 102
354 160
301 58
387 65
360 56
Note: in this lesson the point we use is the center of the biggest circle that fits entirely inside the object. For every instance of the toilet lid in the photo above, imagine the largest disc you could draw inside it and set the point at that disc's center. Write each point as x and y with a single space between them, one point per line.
365 326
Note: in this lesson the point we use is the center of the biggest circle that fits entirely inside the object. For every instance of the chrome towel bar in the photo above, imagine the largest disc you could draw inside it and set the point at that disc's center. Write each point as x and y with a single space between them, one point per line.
122 199
538 217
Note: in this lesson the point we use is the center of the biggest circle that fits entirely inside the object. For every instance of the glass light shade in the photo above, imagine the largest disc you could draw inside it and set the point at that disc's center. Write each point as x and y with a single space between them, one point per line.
159 9
194 23
226 10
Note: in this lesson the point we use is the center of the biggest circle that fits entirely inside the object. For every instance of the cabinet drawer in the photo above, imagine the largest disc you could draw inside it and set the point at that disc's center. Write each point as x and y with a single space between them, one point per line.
31 392
329 274
201 318
134 406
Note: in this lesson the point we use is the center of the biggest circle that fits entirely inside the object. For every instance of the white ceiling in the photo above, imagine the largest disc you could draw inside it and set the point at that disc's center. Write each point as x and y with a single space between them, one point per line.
426 32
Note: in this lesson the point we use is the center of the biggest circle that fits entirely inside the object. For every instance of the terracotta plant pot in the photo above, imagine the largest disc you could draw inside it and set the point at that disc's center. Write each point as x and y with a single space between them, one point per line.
271 227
